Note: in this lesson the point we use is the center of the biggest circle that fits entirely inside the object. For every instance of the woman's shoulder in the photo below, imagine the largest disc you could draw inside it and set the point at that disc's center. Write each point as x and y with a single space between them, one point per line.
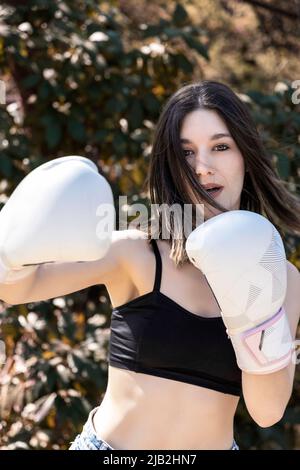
129 234
130 244
130 238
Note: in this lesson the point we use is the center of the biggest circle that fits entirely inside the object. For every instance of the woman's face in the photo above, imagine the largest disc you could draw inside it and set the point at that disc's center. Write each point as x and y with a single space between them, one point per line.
215 158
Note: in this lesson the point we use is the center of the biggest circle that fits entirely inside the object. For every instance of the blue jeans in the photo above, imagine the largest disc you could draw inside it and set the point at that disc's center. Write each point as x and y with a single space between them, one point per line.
88 440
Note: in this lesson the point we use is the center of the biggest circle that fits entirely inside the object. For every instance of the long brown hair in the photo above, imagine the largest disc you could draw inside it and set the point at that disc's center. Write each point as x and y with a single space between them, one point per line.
171 180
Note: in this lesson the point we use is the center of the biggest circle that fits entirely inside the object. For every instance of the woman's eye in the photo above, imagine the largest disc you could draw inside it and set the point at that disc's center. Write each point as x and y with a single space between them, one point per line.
222 145
184 152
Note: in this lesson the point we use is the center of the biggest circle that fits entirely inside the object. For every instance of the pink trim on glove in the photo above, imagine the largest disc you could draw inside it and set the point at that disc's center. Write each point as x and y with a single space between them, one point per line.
254 340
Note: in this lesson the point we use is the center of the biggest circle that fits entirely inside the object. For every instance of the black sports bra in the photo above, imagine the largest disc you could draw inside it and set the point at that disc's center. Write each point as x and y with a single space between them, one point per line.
152 334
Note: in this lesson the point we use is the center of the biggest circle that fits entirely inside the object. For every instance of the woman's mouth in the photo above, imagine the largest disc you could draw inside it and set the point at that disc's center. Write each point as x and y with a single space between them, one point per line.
215 192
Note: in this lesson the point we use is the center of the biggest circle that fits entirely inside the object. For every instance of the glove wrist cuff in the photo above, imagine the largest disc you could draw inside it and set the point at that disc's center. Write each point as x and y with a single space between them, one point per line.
265 348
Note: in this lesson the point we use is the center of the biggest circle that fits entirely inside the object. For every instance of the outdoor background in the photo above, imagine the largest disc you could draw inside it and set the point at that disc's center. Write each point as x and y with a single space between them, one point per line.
89 78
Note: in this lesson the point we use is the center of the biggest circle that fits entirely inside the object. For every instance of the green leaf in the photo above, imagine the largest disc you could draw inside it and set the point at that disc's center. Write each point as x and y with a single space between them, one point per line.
151 103
30 81
76 130
53 134
6 167
19 147
155 29
114 45
44 90
183 63
136 114
115 105
119 143
128 59
180 15
255 95
196 45
172 32
283 165
100 136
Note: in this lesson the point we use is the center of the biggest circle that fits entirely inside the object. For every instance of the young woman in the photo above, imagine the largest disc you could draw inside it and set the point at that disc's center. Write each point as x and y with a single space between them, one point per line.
174 383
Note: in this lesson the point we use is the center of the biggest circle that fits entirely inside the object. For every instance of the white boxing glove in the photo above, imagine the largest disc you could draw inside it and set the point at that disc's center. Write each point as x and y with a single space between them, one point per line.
242 256
62 211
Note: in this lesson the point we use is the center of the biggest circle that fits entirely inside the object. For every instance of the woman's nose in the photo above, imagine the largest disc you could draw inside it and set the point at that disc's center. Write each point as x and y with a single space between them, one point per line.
203 165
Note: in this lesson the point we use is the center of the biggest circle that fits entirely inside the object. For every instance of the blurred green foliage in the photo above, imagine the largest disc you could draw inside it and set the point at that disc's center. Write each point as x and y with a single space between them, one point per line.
90 78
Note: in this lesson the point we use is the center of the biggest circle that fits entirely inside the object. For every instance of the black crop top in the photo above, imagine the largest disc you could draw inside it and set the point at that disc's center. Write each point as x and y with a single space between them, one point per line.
152 334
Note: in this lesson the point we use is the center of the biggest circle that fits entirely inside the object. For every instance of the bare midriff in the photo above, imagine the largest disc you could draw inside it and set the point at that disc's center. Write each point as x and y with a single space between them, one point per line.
141 411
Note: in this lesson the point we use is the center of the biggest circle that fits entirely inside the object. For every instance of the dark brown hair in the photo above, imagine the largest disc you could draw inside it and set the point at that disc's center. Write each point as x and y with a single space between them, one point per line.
171 180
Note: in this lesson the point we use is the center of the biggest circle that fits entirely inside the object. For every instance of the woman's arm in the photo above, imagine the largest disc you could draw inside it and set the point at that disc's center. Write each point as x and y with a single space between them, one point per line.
266 396
57 279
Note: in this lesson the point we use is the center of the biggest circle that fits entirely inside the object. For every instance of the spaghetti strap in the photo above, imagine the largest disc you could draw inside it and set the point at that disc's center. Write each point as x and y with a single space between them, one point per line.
158 265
